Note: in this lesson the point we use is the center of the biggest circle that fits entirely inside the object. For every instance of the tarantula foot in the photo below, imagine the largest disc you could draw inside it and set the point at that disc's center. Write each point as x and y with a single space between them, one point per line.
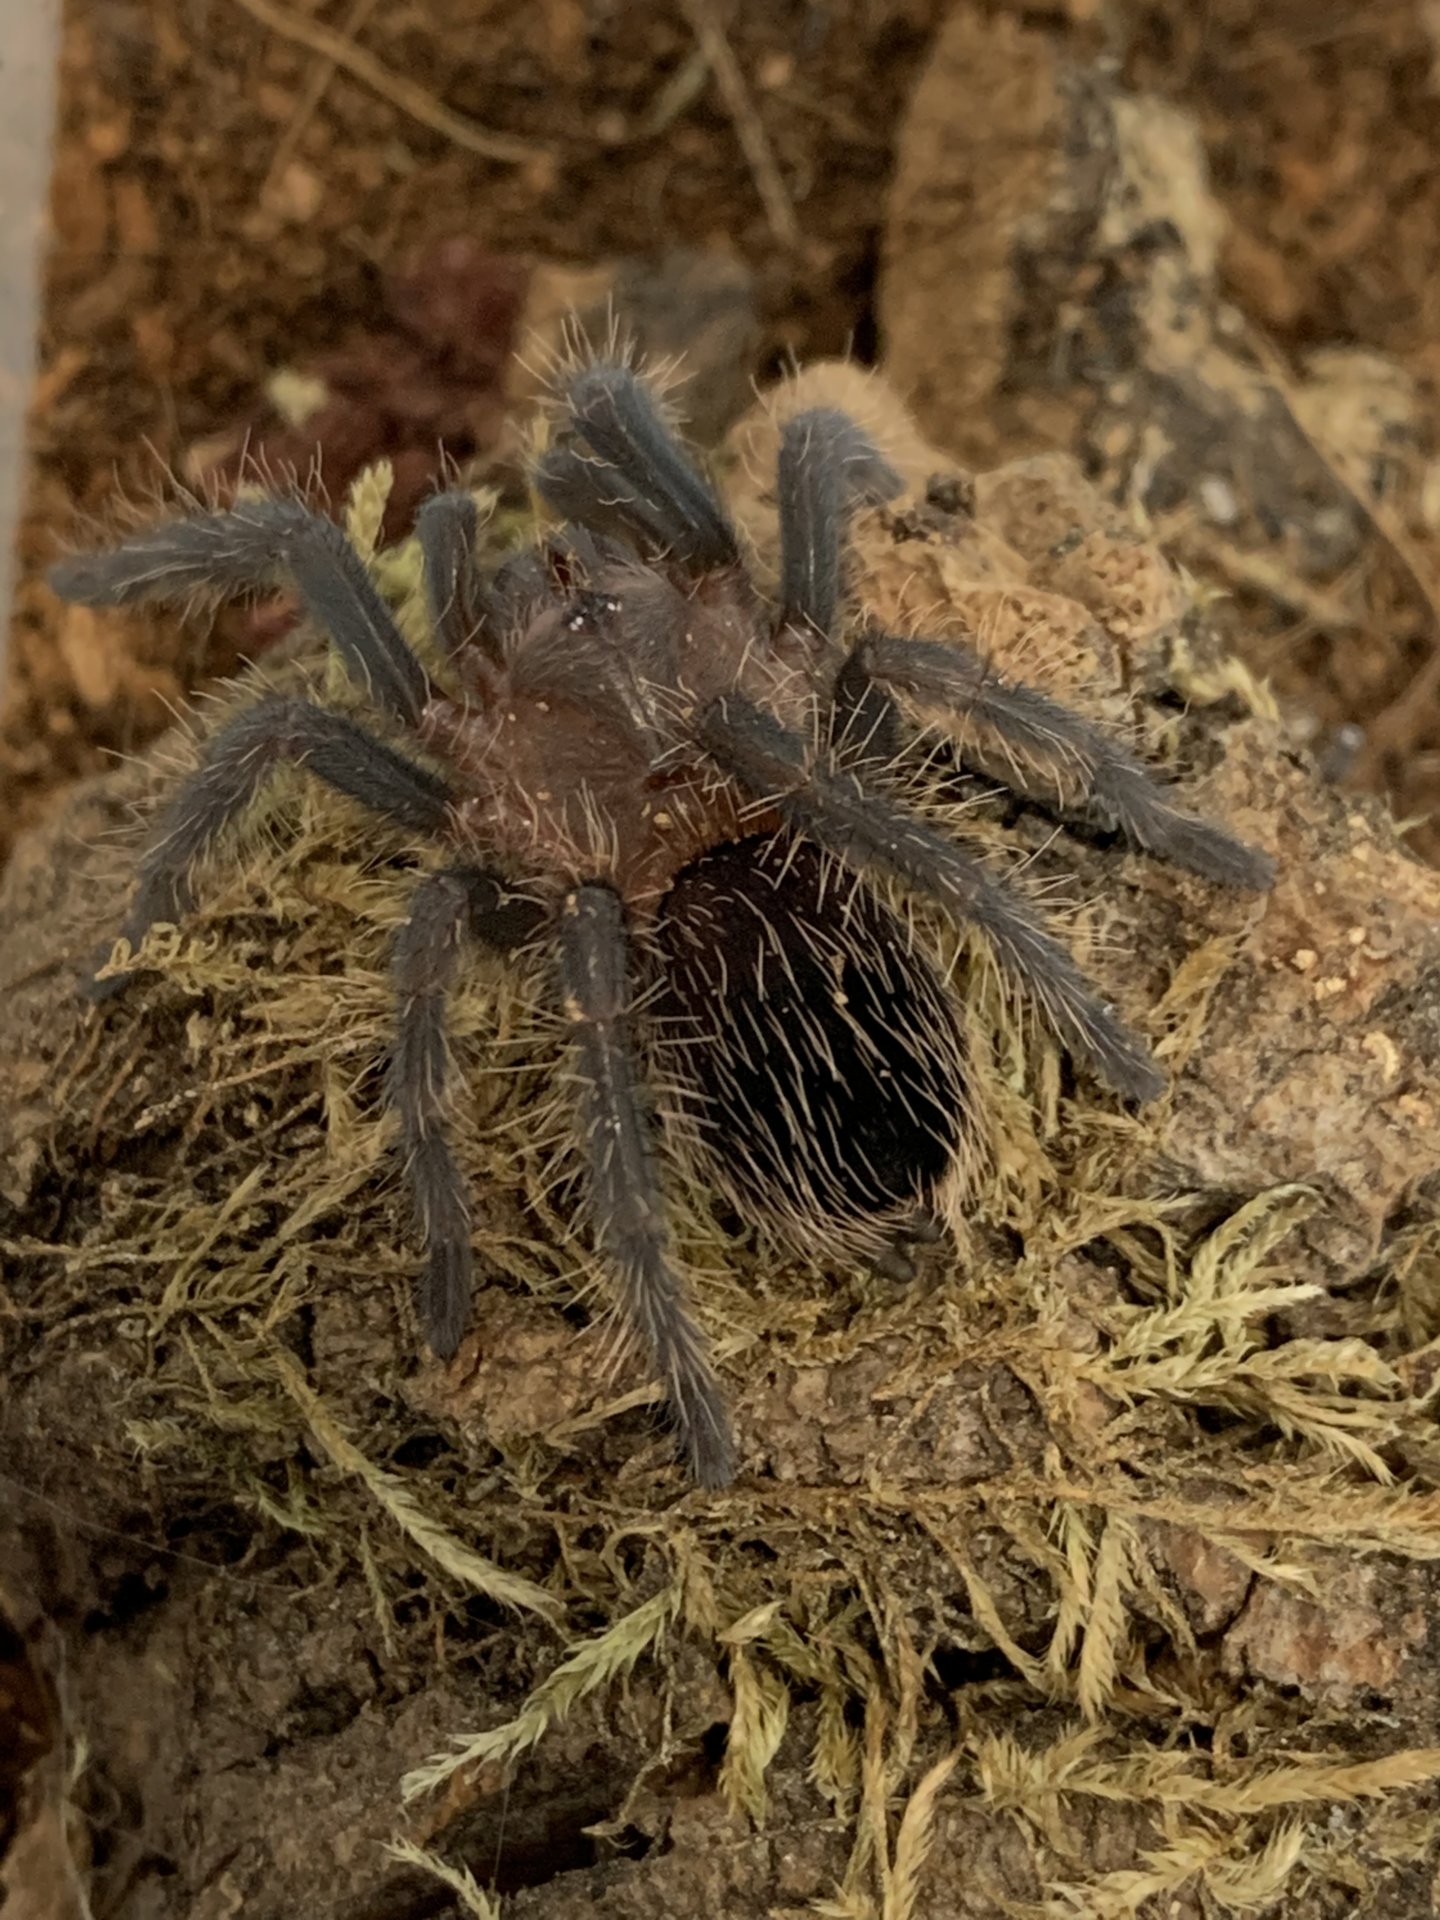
894 1263
95 983
100 992
926 1229
443 1295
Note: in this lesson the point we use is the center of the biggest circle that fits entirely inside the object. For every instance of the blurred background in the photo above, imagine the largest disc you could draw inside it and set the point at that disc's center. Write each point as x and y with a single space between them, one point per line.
1197 244
27 105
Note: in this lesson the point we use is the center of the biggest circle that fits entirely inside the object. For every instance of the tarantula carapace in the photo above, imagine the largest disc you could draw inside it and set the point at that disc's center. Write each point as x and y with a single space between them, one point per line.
693 803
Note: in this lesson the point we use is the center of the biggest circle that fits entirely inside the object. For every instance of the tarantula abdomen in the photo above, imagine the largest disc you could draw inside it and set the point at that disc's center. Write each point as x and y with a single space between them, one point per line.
830 1087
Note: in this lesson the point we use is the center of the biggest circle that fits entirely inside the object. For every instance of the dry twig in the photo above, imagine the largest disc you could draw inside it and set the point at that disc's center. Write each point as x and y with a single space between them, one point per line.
401 93
749 129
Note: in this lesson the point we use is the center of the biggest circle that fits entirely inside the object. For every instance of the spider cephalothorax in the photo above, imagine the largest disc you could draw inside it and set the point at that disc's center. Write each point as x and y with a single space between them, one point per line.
694 802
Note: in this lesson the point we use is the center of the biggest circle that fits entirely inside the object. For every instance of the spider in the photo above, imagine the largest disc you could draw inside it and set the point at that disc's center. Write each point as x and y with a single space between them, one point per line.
689 804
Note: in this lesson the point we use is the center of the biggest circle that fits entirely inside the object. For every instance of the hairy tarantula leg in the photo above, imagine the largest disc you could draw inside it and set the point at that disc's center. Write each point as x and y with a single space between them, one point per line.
613 411
424 964
249 546
1040 749
629 1213
828 466
237 762
461 610
590 493
831 807
447 907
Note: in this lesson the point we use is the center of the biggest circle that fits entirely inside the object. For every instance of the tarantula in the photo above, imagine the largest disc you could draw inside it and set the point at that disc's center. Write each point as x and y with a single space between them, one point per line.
693 803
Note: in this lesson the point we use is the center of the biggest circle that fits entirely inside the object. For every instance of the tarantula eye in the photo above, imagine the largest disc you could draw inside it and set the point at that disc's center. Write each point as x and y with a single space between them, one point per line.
589 610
